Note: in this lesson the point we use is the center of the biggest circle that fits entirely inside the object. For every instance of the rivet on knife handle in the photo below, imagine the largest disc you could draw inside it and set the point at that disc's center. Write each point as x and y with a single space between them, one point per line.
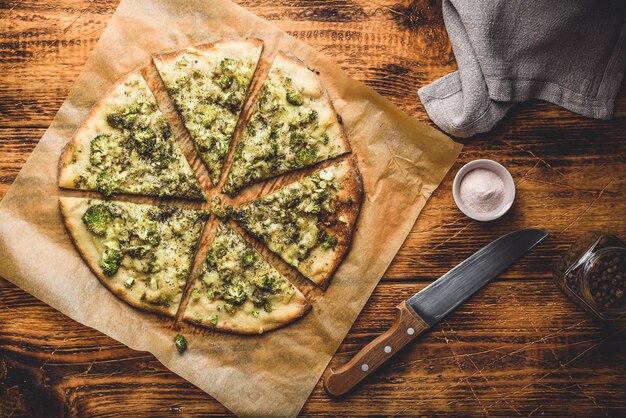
408 326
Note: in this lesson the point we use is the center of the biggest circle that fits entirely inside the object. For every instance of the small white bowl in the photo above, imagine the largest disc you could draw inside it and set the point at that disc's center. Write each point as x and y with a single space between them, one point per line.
509 189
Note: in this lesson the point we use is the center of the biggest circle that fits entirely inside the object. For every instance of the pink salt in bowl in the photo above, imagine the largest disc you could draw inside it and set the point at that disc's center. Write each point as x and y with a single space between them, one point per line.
483 190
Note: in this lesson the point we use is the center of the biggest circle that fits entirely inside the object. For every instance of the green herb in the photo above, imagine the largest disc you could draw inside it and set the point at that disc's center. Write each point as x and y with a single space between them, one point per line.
294 98
96 218
255 314
110 261
326 240
181 343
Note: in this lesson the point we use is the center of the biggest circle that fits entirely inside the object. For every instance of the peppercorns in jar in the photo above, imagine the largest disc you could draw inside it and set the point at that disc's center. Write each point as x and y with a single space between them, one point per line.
593 274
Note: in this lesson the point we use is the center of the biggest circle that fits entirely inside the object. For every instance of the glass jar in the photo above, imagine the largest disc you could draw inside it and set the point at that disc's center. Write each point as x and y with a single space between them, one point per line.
593 273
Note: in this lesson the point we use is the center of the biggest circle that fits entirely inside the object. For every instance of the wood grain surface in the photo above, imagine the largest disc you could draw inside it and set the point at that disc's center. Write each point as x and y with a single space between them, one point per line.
519 347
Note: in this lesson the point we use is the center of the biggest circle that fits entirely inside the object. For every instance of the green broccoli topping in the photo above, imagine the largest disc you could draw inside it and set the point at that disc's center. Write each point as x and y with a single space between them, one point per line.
129 283
224 81
144 142
210 294
195 294
248 257
234 294
326 240
305 156
110 261
98 149
106 183
181 343
255 314
294 98
213 320
97 218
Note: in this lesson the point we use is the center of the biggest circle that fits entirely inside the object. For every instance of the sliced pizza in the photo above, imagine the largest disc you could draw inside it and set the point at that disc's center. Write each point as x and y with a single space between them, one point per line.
208 85
125 145
142 253
293 125
239 291
309 223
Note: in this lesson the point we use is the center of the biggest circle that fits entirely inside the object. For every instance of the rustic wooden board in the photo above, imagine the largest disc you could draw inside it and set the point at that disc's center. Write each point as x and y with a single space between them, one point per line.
517 348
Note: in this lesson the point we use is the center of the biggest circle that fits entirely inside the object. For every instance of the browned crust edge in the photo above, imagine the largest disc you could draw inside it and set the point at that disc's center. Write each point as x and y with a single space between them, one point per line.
353 188
68 149
102 278
303 308
328 102
169 56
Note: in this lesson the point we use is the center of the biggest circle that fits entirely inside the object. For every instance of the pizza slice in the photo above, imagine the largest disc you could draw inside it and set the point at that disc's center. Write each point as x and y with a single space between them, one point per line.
309 223
142 253
239 291
208 85
125 145
293 125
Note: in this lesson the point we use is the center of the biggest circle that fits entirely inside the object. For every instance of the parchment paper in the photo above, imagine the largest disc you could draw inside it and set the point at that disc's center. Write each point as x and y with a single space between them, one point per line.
402 162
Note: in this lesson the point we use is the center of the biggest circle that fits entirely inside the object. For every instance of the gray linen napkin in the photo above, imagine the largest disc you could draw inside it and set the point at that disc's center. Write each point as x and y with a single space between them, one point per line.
568 52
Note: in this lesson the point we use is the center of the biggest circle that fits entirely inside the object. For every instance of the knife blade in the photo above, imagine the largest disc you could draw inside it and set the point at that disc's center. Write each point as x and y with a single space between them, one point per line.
428 306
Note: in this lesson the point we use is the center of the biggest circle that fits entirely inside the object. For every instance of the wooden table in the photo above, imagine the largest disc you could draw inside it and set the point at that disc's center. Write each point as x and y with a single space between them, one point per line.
517 348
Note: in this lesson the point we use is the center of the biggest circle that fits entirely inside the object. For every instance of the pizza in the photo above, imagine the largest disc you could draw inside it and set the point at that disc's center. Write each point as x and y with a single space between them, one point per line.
239 291
293 125
142 253
208 84
125 145
308 223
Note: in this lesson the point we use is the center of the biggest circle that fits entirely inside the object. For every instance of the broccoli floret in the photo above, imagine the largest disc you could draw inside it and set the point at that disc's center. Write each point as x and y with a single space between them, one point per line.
211 260
150 235
296 137
224 81
106 184
98 149
181 343
213 320
234 294
248 257
294 98
96 218
110 261
326 240
305 156
145 142
325 138
195 294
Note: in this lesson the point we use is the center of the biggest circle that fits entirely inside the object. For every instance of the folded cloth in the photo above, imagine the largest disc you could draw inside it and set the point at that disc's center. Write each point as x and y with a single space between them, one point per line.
568 52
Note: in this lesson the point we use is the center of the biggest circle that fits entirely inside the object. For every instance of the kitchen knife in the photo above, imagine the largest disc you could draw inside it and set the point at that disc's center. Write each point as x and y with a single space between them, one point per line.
428 306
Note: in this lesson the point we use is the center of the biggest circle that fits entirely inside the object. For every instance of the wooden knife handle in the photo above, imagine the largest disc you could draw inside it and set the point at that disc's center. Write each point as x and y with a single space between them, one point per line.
408 326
